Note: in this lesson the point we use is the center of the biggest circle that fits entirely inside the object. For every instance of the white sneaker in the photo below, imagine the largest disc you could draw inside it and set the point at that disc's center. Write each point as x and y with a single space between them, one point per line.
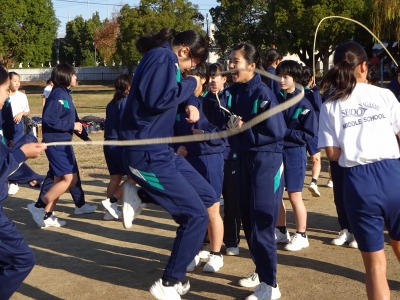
313 188
13 188
276 293
232 251
54 222
353 244
193 264
204 253
182 289
281 238
161 292
85 209
112 208
329 183
250 280
37 214
297 242
131 207
214 263
108 217
262 292
344 237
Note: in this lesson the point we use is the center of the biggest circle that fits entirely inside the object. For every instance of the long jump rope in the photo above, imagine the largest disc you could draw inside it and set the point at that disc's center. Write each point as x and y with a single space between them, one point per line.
229 132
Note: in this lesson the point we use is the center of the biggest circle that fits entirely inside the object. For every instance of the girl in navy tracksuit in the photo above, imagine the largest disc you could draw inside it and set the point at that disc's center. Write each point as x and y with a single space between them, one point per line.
16 258
271 60
260 160
59 124
312 93
301 128
113 154
150 112
207 158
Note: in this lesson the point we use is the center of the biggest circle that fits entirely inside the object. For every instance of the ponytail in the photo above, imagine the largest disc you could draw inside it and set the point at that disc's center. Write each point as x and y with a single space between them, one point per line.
146 43
196 42
340 81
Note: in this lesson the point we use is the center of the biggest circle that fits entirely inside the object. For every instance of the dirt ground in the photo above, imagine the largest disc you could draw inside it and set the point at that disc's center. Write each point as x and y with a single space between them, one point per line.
95 259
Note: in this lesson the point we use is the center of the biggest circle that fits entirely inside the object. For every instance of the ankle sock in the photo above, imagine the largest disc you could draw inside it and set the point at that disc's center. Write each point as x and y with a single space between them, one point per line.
282 229
303 234
169 282
40 204
314 180
216 253
47 215
113 199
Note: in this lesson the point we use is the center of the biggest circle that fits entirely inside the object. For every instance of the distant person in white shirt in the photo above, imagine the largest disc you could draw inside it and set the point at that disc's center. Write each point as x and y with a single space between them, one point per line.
19 105
47 91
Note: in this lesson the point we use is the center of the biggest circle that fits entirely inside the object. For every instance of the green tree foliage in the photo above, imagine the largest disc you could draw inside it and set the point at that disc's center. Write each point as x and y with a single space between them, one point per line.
238 21
27 31
78 46
288 25
151 16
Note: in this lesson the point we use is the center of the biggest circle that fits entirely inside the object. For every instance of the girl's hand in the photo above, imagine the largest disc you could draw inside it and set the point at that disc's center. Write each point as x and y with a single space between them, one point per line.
18 118
33 150
193 114
78 127
182 151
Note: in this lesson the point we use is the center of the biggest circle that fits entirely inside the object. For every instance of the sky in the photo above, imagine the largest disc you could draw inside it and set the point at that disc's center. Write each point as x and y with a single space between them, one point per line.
67 10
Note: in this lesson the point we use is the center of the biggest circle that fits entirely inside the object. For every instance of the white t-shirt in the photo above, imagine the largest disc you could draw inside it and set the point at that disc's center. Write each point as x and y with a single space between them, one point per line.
19 103
47 91
363 126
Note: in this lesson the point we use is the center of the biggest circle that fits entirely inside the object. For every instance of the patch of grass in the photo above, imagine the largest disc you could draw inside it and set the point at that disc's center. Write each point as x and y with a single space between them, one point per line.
89 99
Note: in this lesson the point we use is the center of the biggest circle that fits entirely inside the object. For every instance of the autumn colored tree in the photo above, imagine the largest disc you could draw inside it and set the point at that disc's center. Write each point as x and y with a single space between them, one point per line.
105 40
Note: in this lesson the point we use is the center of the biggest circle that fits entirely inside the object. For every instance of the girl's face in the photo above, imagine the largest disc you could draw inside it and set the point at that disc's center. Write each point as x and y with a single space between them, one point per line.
287 83
216 83
186 60
14 83
246 70
4 92
74 81
199 89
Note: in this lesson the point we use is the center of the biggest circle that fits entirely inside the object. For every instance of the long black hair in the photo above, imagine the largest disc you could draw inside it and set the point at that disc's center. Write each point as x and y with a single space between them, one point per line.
190 38
271 56
122 83
340 80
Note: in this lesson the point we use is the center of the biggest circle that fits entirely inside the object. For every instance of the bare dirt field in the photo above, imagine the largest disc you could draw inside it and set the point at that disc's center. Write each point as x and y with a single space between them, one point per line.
95 259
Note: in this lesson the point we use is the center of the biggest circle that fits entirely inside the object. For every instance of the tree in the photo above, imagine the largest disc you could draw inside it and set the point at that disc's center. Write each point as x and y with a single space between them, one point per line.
105 39
288 25
238 21
151 16
78 46
27 31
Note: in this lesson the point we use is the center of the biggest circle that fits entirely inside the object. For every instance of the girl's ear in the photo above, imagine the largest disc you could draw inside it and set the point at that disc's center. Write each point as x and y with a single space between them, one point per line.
184 52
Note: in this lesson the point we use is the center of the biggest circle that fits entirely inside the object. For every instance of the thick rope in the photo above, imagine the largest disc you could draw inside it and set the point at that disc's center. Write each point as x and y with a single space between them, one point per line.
352 20
203 136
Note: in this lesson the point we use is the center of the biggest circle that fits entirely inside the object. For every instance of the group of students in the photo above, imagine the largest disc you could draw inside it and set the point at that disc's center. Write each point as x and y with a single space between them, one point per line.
256 164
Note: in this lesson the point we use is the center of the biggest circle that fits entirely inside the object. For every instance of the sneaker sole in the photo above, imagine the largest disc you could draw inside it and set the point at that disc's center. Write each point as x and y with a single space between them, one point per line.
131 206
314 193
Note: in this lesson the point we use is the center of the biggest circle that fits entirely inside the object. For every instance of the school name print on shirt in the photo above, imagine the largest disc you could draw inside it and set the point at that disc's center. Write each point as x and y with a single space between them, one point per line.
359 114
